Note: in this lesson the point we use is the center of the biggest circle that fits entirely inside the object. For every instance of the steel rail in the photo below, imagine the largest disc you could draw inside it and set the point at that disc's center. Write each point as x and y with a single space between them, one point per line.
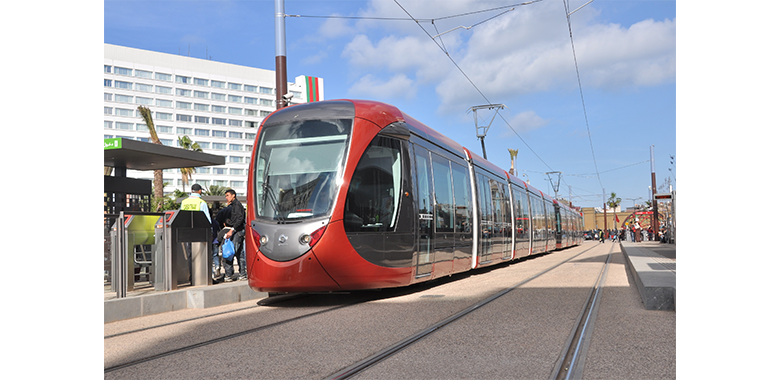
362 365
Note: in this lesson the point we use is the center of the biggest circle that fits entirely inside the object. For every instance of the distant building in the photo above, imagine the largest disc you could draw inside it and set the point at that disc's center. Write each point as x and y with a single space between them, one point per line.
218 105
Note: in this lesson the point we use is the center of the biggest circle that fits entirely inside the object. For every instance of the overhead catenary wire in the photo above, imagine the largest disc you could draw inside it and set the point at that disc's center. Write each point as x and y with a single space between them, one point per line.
418 21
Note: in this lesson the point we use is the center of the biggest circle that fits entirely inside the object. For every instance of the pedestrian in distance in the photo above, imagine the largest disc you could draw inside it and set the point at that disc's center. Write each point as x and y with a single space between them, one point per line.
235 225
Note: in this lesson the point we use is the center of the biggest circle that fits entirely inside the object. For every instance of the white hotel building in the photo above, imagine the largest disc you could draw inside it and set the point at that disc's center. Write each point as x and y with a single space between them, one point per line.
218 105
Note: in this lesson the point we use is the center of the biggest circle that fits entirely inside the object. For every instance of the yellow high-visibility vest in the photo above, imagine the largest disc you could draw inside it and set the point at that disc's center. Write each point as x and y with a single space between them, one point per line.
192 204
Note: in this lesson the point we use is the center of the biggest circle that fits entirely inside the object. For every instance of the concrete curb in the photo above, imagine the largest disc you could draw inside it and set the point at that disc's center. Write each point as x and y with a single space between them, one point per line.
654 276
194 298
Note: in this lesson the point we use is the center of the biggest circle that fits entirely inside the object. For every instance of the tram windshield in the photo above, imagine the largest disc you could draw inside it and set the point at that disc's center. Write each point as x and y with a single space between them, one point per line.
298 169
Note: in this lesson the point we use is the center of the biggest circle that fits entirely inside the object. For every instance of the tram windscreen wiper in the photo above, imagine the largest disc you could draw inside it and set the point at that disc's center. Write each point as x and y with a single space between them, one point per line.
268 190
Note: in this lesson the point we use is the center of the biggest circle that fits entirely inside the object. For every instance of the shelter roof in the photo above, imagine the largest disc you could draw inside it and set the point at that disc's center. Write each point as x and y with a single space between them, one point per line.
140 155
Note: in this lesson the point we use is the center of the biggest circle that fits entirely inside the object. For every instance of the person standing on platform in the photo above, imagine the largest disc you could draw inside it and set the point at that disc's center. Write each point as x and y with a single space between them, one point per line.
195 203
235 224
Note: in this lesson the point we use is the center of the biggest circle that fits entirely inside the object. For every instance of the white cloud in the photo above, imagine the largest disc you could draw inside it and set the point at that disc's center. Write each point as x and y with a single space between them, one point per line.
399 86
527 50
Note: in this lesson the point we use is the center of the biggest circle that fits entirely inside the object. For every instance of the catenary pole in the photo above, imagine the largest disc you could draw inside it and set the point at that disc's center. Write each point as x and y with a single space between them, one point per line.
655 223
280 60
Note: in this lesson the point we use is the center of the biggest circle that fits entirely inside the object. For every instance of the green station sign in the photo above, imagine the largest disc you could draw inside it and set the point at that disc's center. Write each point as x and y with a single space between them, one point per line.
115 143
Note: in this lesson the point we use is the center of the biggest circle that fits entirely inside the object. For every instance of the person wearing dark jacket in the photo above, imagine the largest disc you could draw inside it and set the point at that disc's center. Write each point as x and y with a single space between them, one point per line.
235 231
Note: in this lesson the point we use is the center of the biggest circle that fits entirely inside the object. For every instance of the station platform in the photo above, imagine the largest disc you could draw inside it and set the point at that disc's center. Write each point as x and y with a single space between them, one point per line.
652 266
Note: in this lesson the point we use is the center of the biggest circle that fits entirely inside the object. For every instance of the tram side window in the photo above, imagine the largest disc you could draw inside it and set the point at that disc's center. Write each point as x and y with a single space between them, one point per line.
462 205
443 194
373 196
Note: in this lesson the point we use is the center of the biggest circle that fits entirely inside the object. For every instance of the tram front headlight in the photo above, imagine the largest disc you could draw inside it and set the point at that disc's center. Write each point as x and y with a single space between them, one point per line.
312 238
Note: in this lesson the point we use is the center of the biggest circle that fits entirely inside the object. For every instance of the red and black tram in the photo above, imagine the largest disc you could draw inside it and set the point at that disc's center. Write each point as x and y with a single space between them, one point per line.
354 194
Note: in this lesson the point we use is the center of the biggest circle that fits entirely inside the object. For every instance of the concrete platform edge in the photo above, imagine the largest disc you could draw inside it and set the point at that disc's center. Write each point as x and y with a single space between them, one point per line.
194 298
656 287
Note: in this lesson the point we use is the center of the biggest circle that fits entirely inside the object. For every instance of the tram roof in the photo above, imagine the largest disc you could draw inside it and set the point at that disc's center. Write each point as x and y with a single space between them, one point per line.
140 155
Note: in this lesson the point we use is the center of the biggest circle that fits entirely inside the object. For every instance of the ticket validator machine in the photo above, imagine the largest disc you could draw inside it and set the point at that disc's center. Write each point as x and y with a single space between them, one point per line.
183 250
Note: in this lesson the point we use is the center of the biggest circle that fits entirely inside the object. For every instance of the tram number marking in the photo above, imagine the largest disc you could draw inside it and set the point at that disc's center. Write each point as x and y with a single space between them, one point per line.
425 216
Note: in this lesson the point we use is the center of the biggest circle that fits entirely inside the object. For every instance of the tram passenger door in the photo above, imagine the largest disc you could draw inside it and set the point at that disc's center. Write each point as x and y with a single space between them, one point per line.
425 213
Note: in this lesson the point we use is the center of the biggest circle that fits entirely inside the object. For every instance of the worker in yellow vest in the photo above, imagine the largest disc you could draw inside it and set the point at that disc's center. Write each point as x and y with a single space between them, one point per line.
195 203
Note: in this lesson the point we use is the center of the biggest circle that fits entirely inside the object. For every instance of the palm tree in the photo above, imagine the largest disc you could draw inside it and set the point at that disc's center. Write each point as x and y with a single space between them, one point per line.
146 114
513 154
614 202
188 144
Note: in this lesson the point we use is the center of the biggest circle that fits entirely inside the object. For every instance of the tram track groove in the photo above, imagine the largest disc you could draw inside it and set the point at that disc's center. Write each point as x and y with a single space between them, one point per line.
360 366
570 364
263 302
221 339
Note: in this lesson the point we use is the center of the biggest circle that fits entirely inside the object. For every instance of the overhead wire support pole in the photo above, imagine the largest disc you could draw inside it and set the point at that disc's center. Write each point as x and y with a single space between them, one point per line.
478 132
280 59
579 8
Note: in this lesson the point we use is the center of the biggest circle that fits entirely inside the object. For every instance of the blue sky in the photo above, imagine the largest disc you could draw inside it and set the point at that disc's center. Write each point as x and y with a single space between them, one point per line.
523 58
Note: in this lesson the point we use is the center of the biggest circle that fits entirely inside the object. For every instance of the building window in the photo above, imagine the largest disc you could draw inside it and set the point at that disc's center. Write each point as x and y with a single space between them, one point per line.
164 129
144 87
249 100
218 84
143 74
164 116
234 98
181 79
144 101
216 96
220 109
124 126
107 83
237 184
186 118
123 112
218 133
266 102
123 71
249 136
184 105
200 94
264 113
107 69
250 88
125 85
251 124
108 111
249 112
200 82
236 147
108 124
163 90
235 123
219 146
182 92
267 91
164 103
204 144
201 107
184 131
234 111
234 86
167 142
234 159
201 119
162 76
201 132
123 98
218 121
220 171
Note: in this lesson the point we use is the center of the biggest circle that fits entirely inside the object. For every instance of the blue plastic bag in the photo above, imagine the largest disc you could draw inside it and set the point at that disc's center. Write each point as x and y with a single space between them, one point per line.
228 249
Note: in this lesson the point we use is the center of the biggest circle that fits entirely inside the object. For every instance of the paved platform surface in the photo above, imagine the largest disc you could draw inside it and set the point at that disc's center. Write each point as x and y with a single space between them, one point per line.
653 268
651 264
